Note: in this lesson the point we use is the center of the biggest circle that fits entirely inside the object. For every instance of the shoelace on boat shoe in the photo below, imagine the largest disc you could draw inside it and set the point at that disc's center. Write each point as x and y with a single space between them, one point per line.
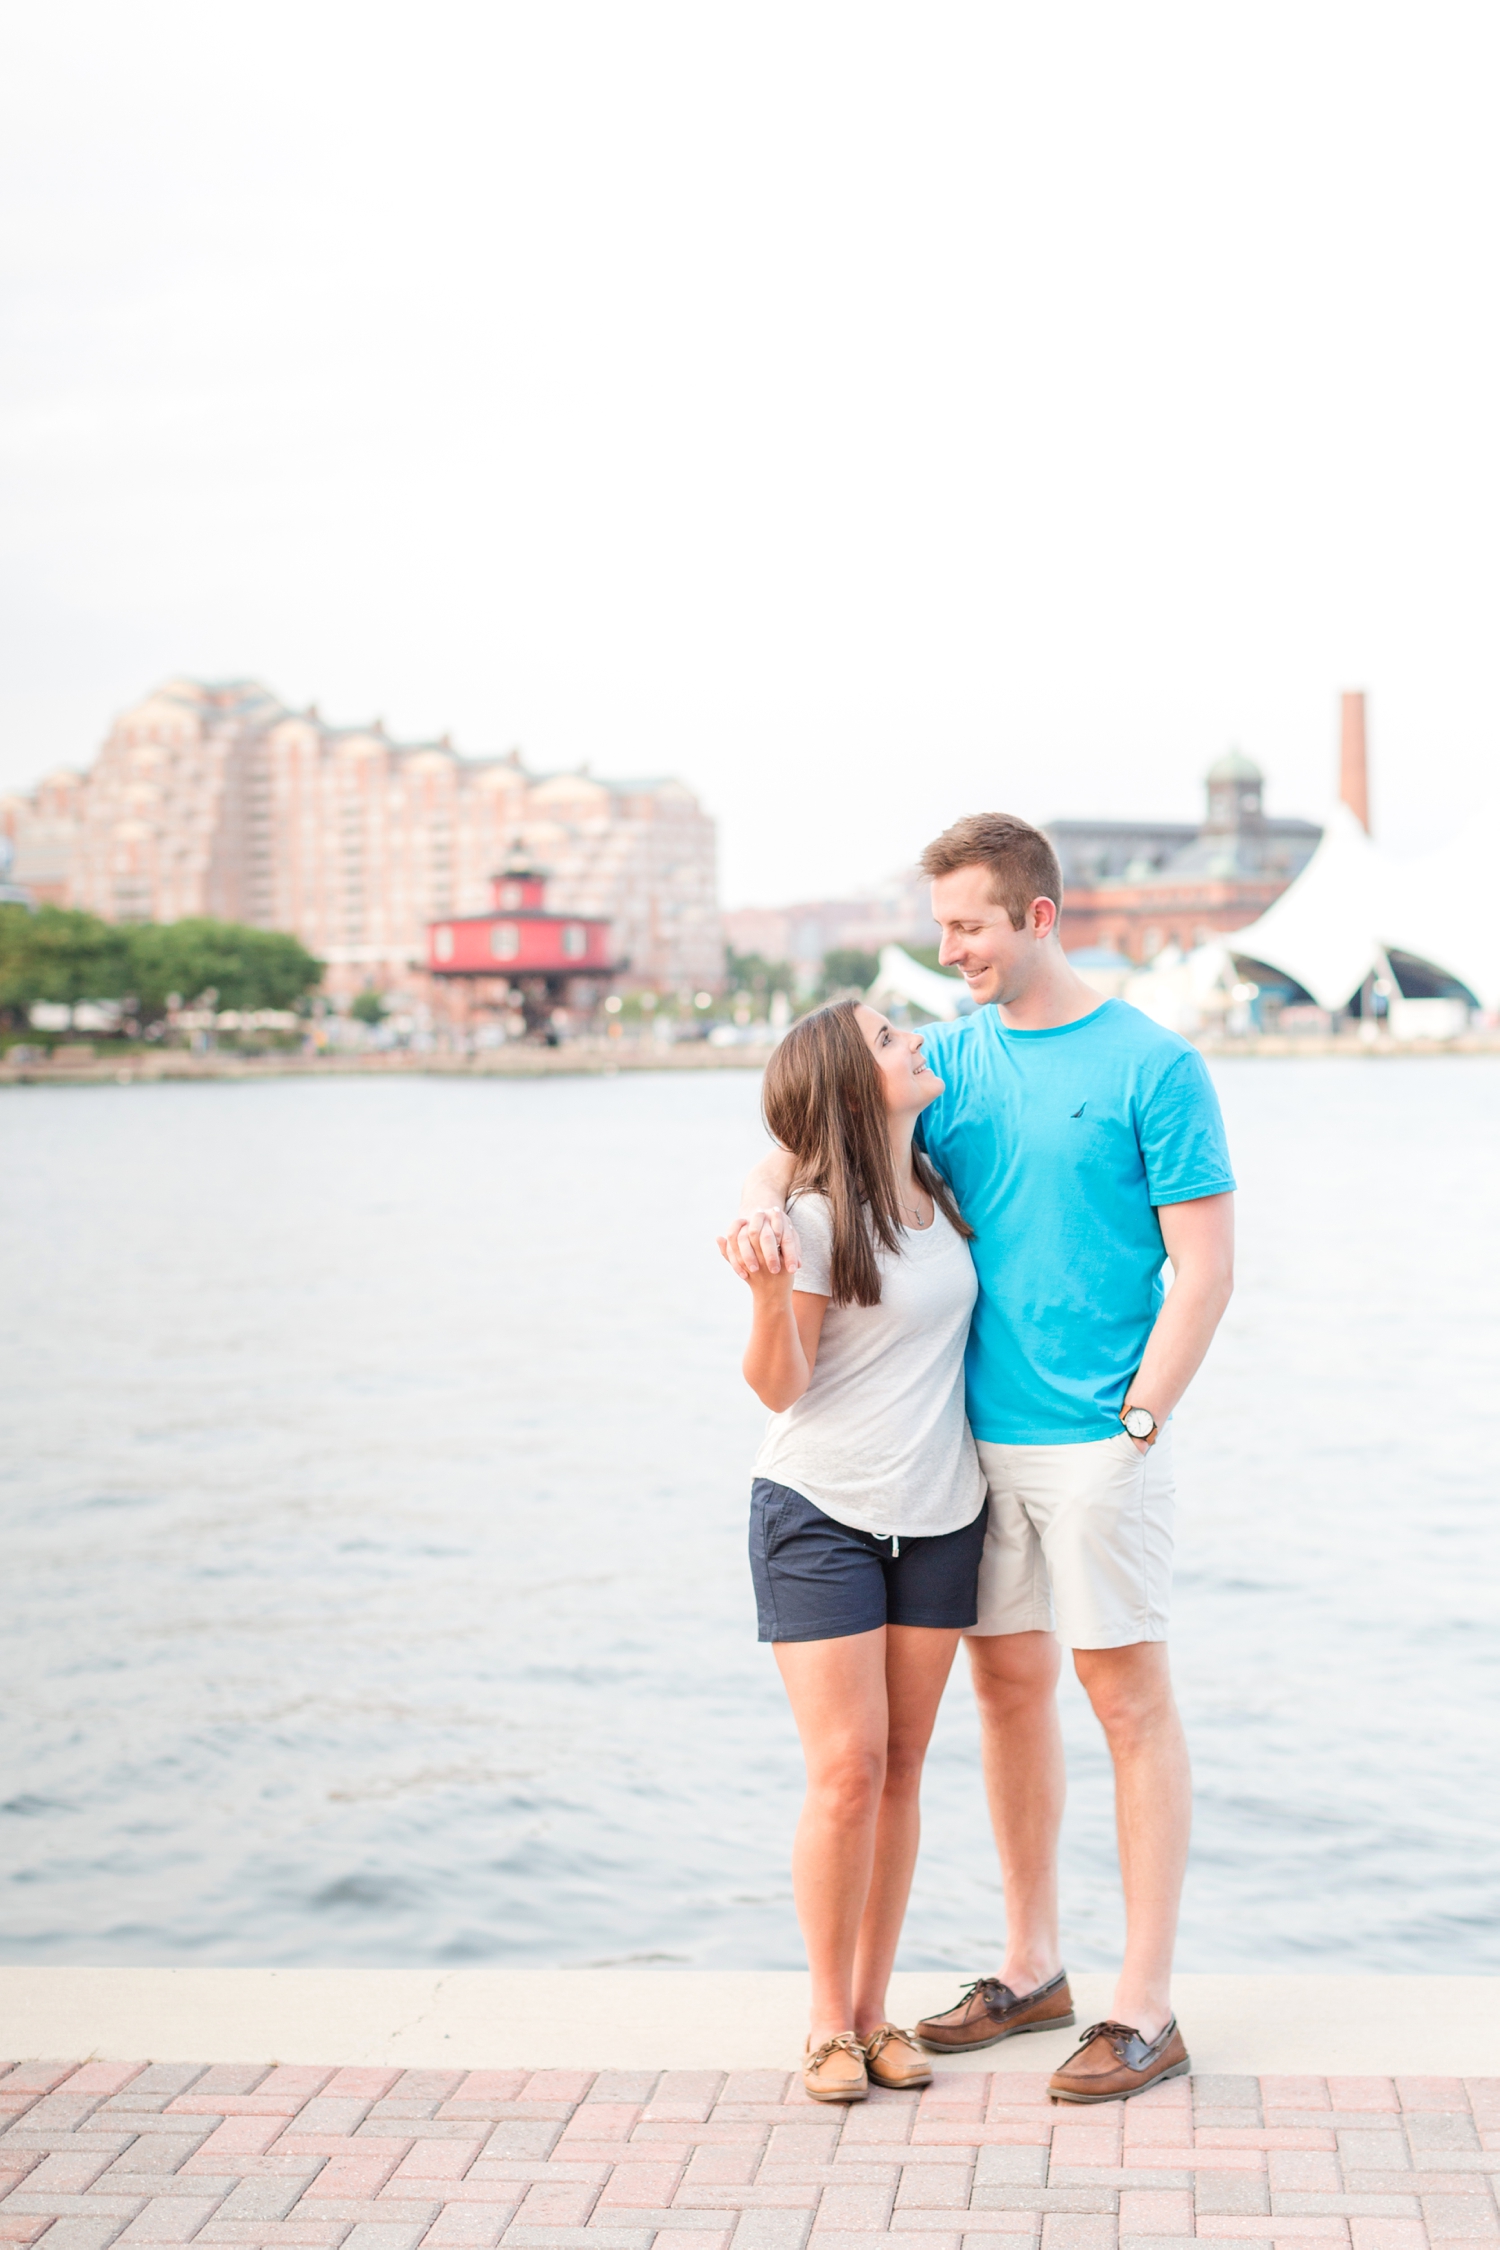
879 2040
1114 2031
984 1986
844 2039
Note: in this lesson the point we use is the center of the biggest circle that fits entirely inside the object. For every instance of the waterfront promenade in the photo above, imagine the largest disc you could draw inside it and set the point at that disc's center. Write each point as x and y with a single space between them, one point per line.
595 1058
372 2155
587 1058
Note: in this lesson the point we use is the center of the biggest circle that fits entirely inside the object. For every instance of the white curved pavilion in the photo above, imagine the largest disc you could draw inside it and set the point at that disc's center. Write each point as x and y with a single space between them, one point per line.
1353 908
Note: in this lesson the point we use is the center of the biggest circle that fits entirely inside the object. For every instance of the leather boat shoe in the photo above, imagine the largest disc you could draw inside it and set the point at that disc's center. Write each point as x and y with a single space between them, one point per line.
893 2058
1114 2062
835 2072
989 2011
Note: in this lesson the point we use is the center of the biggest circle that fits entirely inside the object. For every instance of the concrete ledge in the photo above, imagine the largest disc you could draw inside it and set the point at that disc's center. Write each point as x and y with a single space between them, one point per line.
622 2019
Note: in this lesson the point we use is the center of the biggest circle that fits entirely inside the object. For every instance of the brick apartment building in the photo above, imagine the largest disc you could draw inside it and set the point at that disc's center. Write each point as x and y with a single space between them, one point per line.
217 799
1130 885
42 827
1135 886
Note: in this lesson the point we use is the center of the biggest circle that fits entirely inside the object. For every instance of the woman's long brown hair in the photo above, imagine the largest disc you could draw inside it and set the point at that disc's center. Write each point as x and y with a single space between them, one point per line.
824 1102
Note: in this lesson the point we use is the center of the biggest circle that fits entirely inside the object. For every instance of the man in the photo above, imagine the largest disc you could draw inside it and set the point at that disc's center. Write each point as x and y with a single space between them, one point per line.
1084 1145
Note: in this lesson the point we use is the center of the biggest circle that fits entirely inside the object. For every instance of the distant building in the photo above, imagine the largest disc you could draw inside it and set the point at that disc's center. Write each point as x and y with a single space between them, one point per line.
42 828
897 914
12 893
1129 886
1135 886
519 955
217 799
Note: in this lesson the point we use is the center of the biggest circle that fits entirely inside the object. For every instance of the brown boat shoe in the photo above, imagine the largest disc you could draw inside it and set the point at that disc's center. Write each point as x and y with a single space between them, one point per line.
835 2072
1114 2062
989 2011
893 2058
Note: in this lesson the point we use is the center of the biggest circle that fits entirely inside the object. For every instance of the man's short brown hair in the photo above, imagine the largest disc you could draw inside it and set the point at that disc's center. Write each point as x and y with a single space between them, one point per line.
1021 861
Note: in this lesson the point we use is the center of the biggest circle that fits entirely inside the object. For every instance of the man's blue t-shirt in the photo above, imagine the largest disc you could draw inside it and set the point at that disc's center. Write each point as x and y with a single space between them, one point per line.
1058 1145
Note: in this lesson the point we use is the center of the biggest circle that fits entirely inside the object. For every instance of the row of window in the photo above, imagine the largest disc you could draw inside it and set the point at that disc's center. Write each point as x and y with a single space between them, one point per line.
505 941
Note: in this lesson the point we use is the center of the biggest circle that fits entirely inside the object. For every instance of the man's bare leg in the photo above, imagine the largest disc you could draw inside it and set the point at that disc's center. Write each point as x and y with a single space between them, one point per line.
1015 1686
1131 1692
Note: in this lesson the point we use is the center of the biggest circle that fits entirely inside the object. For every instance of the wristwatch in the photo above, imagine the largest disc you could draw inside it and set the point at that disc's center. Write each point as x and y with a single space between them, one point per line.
1141 1423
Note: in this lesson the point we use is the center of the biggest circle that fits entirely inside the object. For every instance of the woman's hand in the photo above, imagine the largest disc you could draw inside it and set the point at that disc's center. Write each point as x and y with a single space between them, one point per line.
761 1241
762 1234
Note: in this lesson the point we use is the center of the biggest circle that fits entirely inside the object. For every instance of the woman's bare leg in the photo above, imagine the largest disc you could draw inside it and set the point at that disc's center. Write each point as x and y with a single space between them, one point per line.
837 1691
918 1659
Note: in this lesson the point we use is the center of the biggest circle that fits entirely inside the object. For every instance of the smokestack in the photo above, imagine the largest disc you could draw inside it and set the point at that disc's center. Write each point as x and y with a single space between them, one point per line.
1354 777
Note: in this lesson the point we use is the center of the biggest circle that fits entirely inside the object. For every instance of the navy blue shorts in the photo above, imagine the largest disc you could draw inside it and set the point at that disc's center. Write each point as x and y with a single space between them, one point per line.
817 1580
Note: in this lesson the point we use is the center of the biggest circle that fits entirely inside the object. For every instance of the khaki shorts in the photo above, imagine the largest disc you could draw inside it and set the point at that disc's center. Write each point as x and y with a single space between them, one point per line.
1079 1541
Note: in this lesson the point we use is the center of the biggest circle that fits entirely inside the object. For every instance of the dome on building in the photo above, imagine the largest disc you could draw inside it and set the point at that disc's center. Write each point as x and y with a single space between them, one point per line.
1234 766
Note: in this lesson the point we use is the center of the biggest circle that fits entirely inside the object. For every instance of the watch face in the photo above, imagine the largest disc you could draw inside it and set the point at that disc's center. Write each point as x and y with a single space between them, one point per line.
1140 1421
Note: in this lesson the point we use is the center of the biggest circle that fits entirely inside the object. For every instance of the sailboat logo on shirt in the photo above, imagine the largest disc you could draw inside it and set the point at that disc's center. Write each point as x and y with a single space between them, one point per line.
1082 1106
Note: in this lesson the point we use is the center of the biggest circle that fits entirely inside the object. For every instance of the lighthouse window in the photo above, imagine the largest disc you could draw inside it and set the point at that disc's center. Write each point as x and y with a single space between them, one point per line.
442 944
505 940
575 940
510 894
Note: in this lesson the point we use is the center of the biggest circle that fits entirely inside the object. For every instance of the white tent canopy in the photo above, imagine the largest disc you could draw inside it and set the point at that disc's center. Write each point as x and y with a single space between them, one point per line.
1325 931
899 977
1353 905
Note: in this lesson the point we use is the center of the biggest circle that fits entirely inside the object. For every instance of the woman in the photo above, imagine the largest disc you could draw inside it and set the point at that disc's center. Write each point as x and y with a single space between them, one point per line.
868 1505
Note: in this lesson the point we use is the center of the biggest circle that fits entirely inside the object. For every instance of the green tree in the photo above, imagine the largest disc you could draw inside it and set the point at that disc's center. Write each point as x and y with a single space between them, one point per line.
845 966
59 954
244 968
751 972
367 1007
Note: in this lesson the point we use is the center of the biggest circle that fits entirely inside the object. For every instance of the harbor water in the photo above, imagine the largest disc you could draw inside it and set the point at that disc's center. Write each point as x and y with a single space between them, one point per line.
373 1486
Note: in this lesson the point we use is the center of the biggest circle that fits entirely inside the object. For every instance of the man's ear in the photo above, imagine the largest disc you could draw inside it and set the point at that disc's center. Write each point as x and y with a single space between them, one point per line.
1042 915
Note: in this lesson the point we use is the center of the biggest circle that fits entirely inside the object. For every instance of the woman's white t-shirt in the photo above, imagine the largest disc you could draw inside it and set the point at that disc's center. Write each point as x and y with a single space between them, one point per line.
879 1439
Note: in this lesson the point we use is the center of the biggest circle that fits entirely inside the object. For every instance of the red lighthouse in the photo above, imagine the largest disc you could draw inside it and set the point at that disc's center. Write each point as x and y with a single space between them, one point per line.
520 954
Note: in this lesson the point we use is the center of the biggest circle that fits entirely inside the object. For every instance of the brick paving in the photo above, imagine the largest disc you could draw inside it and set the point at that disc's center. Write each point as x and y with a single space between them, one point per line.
303 2159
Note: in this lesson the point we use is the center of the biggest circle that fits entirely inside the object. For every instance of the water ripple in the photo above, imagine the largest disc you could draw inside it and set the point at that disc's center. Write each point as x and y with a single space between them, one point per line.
373 1503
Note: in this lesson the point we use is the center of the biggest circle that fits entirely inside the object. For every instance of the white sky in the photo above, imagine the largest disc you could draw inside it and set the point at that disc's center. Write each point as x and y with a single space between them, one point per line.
869 413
